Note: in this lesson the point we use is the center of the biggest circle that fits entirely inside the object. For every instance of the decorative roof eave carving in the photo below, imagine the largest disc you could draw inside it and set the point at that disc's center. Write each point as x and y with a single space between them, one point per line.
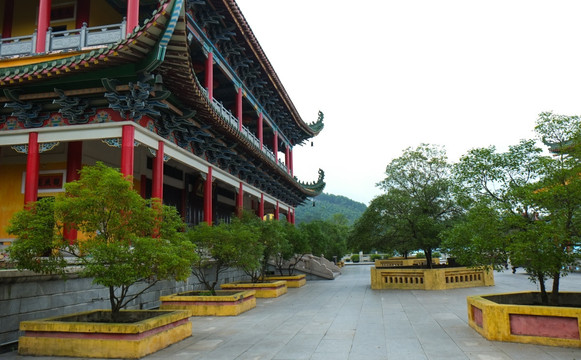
253 44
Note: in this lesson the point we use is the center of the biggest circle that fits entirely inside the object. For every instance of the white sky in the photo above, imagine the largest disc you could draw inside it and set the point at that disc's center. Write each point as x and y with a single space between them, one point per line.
390 74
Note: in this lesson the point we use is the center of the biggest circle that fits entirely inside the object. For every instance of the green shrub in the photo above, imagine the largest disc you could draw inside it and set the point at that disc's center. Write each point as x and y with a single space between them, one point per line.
436 254
375 257
355 258
420 255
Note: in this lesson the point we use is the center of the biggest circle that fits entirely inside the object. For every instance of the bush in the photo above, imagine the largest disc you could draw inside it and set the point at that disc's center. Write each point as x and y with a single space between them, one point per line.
355 258
375 257
420 255
436 254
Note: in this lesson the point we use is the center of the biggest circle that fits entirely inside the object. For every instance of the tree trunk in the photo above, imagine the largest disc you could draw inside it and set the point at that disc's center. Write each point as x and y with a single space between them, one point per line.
428 253
554 299
544 296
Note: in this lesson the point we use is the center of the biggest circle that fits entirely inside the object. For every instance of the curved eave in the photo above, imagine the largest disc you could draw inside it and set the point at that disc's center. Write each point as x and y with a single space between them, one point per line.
254 45
133 49
180 79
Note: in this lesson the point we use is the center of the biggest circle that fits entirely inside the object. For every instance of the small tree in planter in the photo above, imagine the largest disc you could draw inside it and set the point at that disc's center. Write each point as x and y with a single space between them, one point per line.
292 250
118 227
222 247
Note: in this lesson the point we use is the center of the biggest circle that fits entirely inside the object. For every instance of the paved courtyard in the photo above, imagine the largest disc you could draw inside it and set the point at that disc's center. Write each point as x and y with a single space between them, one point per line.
345 319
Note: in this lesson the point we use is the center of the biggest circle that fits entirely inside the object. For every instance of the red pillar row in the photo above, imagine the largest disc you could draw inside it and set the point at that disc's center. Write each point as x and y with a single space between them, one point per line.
240 201
261 207
260 130
7 20
210 75
275 147
208 197
291 162
132 15
287 158
239 108
32 167
157 176
43 24
74 164
127 150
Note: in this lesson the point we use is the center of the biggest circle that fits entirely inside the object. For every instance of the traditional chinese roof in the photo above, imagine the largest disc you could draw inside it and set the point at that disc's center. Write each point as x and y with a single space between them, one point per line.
161 46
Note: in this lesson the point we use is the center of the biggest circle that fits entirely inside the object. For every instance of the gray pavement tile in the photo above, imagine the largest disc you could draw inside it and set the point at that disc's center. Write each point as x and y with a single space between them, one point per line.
344 319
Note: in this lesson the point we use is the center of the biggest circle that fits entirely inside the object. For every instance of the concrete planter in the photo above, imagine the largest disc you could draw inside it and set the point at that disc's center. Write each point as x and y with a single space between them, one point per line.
225 303
269 289
76 335
430 279
499 317
398 261
292 281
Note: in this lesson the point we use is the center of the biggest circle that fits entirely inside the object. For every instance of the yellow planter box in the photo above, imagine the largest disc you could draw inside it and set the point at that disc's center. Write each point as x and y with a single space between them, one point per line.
430 279
530 324
72 335
394 262
225 303
269 289
292 281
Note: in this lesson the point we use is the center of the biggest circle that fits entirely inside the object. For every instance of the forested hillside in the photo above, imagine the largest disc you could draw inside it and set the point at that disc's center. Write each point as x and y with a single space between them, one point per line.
327 205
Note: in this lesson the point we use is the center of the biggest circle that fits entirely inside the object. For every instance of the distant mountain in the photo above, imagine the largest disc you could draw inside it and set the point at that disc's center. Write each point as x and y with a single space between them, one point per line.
327 205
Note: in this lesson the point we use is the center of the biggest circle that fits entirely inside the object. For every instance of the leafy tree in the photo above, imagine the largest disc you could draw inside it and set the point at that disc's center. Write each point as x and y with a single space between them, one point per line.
292 250
221 247
419 202
533 204
327 238
118 227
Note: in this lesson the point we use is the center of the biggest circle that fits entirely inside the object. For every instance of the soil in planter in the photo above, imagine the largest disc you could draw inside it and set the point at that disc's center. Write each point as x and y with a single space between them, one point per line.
208 293
534 299
124 317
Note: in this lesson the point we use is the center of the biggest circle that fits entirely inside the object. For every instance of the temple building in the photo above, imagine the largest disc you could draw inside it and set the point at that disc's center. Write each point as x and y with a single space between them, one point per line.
177 94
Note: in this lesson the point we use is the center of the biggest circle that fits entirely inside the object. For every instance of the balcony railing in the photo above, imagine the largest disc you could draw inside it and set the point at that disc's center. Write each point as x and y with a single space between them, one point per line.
76 39
230 119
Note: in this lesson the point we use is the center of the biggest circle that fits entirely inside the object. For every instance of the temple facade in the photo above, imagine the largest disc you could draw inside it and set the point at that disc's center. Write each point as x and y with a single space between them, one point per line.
177 94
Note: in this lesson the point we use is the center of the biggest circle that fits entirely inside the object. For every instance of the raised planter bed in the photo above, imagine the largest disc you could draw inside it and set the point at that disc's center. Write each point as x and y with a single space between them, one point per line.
517 317
430 279
200 303
395 262
270 289
87 334
292 281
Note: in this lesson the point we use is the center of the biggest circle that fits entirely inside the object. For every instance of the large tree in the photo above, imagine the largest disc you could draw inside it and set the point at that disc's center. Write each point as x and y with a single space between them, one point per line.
418 198
532 204
125 241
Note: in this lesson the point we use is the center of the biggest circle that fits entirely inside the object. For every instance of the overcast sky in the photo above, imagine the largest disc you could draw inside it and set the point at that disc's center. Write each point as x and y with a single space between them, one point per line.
389 75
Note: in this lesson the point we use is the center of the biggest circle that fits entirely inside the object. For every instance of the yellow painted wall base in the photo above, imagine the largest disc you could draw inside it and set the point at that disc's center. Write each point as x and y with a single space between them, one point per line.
495 320
292 281
397 261
51 337
263 289
430 279
225 303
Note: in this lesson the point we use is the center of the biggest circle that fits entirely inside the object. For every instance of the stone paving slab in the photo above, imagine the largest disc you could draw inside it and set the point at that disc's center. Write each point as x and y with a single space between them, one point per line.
343 319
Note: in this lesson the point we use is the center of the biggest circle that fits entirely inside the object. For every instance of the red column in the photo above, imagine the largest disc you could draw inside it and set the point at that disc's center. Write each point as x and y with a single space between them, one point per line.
240 201
275 147
287 158
293 217
157 176
260 136
291 161
276 211
239 108
74 164
43 24
210 75
288 216
127 150
83 11
208 197
261 207
8 16
132 15
32 166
